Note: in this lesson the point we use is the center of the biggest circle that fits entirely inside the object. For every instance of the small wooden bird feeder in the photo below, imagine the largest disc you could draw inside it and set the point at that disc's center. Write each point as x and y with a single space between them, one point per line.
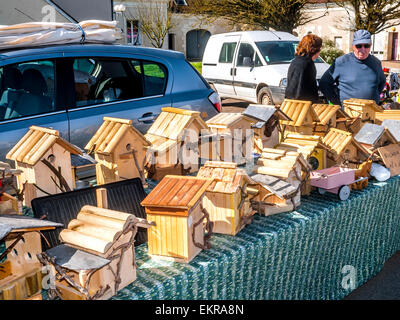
119 150
302 114
8 203
361 108
327 115
45 161
344 149
174 138
266 127
175 205
97 257
227 200
20 269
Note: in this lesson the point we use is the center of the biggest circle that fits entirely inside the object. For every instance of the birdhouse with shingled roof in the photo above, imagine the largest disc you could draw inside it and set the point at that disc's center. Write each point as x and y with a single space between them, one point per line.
302 116
227 200
174 138
119 150
175 205
45 161
344 149
361 108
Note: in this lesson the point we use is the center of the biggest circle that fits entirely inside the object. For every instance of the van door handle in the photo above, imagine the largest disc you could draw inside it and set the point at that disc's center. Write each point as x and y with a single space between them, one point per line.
233 71
148 117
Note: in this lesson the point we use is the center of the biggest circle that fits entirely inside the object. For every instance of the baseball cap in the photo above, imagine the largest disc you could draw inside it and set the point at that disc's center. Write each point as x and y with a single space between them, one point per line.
361 36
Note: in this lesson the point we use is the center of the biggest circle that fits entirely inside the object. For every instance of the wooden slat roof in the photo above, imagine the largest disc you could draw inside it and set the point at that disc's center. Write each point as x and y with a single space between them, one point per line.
225 119
325 112
109 134
35 143
353 102
181 192
388 114
297 110
337 140
304 144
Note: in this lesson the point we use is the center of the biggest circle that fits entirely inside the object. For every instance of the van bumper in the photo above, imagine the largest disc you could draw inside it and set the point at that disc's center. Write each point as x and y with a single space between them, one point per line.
278 94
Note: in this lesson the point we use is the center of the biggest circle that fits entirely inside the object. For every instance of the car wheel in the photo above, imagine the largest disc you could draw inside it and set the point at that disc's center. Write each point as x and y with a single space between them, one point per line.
264 96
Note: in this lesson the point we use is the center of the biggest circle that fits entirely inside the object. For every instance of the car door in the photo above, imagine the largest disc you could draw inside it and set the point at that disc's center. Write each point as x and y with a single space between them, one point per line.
30 95
244 80
123 87
225 71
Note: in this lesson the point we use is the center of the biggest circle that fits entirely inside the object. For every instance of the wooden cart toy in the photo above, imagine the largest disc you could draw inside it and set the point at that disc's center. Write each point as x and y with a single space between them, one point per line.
176 207
97 257
337 180
227 200
21 271
119 150
174 138
266 127
45 161
361 108
302 114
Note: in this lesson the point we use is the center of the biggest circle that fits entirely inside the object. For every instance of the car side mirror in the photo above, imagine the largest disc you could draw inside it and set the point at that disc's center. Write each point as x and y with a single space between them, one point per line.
248 62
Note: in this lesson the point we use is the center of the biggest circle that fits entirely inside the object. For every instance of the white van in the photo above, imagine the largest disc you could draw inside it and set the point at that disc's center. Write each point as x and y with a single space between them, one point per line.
251 65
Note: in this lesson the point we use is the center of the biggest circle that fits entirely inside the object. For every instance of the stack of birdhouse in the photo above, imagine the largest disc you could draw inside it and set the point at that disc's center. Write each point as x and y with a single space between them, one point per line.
174 138
266 127
288 166
175 205
302 116
119 150
97 257
20 269
45 161
227 200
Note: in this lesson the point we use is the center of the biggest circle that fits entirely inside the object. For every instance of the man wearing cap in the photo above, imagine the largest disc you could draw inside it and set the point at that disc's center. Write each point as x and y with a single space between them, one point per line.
354 75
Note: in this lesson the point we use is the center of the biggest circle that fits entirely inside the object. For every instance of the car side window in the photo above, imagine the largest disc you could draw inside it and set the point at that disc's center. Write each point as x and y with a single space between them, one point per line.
102 80
155 78
27 89
227 52
245 55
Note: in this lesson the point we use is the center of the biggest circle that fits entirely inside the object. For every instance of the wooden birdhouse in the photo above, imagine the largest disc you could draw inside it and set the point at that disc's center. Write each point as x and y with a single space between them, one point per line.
175 206
226 200
174 138
393 126
275 195
352 125
344 149
231 129
119 150
373 136
311 147
266 127
302 114
45 161
20 269
327 115
8 203
97 257
289 166
361 108
386 115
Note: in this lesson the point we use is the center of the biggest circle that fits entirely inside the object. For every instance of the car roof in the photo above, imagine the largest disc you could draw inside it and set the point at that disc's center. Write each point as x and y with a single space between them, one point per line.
105 48
261 35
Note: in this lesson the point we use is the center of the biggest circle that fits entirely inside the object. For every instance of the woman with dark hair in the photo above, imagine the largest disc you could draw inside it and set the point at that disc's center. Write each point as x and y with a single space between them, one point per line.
301 78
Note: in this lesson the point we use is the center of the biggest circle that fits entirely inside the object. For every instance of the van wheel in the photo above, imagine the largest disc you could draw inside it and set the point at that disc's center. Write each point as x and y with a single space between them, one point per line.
264 97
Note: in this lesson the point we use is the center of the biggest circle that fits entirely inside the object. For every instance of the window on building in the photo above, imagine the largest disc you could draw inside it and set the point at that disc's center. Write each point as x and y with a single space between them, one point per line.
133 32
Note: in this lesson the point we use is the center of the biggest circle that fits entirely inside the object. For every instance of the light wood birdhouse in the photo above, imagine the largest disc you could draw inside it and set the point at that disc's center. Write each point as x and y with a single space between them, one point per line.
327 115
361 108
45 161
119 150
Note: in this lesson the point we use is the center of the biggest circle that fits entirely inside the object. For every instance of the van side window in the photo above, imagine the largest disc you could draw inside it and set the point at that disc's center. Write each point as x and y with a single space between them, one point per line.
227 52
102 80
27 89
245 56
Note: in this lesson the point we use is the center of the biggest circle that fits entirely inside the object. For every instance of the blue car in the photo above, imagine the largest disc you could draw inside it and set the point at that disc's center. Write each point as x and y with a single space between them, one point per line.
71 88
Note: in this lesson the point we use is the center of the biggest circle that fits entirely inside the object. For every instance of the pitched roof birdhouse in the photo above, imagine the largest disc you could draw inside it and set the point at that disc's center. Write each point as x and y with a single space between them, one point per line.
175 205
275 195
393 126
361 108
373 136
119 150
45 161
20 269
174 138
345 150
97 257
266 127
226 200
327 115
302 114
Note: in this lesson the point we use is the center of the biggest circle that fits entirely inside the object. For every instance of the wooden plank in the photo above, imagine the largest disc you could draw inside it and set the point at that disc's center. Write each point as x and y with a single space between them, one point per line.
45 130
81 240
94 139
103 134
11 154
101 197
108 234
124 121
116 138
101 221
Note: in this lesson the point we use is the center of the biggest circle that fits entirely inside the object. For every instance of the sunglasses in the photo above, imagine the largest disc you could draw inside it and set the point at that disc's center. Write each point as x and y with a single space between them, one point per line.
366 46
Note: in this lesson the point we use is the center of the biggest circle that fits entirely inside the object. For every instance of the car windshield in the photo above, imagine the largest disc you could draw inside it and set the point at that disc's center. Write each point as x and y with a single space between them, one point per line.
276 52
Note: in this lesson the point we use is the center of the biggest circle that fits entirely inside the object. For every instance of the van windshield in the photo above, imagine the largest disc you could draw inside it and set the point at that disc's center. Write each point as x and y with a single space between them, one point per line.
276 52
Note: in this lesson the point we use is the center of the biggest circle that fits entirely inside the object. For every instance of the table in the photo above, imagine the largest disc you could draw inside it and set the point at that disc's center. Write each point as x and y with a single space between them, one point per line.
294 255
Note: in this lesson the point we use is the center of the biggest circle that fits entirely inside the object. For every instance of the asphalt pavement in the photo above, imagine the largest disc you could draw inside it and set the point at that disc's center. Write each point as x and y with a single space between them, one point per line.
386 284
